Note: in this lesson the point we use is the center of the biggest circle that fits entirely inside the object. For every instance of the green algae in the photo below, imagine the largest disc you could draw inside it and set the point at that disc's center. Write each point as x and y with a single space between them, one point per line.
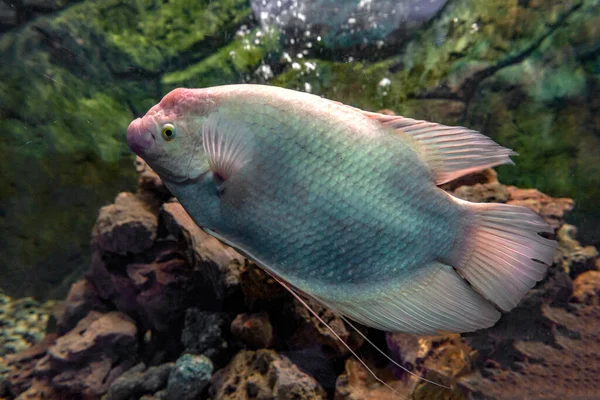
235 62
69 86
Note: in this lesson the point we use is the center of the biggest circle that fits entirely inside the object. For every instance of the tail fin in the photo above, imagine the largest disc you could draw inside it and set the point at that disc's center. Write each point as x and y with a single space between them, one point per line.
503 254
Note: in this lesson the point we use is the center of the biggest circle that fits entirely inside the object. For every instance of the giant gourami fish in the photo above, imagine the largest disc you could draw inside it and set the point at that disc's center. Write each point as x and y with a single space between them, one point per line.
344 205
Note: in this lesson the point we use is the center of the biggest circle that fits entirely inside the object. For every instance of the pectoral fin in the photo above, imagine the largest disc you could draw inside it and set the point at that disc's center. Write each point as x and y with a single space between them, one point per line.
227 144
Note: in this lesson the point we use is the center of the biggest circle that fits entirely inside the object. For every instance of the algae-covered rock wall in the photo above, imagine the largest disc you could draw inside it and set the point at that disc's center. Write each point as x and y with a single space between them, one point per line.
74 73
70 83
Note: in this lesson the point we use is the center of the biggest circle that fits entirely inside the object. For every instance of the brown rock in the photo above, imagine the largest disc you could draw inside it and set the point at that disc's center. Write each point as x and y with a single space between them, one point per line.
40 389
126 226
481 177
571 255
148 180
113 287
155 292
258 286
312 332
551 209
263 374
86 360
97 333
356 383
21 365
564 366
218 264
442 359
586 288
138 381
150 187
82 299
254 329
483 193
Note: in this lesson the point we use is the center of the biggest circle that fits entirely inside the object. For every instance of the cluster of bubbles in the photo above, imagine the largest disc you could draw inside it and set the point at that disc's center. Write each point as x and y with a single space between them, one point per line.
295 52
306 30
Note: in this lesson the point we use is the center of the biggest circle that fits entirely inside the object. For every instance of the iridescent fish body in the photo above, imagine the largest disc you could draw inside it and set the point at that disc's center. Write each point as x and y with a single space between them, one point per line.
344 205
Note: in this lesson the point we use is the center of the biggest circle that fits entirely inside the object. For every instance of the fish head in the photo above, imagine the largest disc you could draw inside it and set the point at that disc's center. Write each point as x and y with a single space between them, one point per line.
169 136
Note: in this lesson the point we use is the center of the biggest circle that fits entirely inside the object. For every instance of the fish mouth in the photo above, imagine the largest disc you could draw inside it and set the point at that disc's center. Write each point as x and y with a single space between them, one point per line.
139 139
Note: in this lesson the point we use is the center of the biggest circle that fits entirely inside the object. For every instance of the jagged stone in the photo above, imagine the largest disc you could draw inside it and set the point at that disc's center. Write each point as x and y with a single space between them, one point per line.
263 374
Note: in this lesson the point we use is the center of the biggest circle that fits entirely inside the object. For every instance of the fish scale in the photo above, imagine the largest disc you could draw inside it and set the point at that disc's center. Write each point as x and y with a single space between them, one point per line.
334 256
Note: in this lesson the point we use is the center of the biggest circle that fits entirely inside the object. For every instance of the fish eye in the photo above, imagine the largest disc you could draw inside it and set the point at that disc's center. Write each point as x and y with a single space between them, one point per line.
168 132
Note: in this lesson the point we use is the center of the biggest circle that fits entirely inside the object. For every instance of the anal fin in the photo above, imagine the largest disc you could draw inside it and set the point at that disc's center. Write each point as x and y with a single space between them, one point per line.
433 299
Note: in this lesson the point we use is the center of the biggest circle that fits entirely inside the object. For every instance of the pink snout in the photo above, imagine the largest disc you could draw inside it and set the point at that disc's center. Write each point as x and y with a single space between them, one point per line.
138 138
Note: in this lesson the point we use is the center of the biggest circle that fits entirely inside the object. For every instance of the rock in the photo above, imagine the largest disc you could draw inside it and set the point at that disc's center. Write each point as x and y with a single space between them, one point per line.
189 377
562 367
139 381
485 177
218 265
149 181
160 395
253 329
260 287
163 288
87 359
441 359
572 257
356 383
409 350
22 323
483 193
551 209
20 375
311 331
126 226
82 298
40 389
204 332
586 288
263 374
155 290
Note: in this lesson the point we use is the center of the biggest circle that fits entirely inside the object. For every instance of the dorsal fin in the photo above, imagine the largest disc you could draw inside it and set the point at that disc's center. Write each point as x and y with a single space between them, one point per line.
450 151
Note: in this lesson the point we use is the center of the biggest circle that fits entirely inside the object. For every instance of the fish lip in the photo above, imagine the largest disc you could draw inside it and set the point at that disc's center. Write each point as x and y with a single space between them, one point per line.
138 137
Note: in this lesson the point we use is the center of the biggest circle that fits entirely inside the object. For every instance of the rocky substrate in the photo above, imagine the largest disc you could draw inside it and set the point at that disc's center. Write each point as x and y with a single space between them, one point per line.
165 311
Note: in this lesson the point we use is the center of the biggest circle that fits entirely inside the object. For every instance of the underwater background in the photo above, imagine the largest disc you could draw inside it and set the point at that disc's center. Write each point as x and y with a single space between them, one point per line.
91 242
